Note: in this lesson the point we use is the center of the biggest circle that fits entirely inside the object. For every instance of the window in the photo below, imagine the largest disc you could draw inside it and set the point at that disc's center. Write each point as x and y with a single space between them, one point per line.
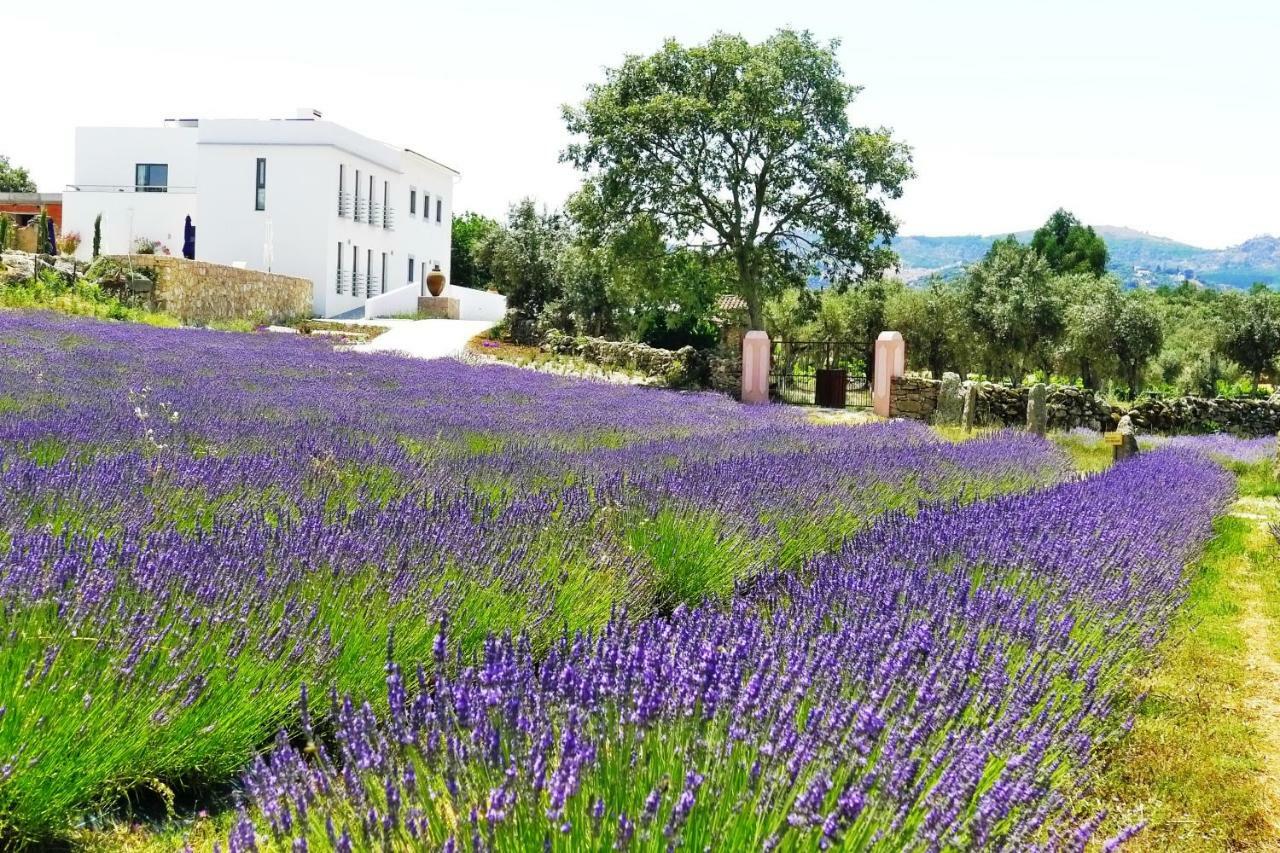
355 270
413 204
356 215
439 210
426 205
260 185
342 186
386 215
339 266
151 177
411 265
368 270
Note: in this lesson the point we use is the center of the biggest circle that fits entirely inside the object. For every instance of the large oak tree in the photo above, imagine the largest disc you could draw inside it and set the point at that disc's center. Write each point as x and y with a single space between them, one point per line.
745 151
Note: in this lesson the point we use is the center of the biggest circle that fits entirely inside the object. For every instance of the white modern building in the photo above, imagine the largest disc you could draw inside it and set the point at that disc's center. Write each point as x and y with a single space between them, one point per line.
305 197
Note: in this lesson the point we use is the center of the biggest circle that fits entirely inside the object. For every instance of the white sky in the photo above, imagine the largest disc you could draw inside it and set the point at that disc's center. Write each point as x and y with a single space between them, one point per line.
1162 116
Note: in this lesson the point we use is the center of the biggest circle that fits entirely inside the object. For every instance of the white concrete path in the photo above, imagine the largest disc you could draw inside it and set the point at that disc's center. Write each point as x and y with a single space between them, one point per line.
422 338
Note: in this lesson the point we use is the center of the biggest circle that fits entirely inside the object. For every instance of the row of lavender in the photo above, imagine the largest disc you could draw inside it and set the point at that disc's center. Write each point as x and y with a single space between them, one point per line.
193 525
938 683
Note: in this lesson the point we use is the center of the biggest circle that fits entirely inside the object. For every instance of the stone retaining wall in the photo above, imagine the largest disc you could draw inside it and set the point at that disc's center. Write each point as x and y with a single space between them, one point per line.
200 292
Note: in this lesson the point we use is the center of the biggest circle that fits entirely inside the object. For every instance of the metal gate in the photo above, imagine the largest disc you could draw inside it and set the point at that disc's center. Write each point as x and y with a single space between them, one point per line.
795 365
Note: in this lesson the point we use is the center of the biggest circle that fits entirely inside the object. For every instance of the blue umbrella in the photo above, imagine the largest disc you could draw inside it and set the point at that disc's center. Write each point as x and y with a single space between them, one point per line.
189 240
53 240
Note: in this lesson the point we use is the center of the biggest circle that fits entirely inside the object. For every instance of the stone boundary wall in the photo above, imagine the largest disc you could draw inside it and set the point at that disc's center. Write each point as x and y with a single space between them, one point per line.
201 292
913 397
1204 414
678 368
998 405
1069 407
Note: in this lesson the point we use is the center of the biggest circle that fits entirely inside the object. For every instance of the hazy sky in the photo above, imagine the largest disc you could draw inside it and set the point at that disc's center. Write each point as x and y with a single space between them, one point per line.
1162 116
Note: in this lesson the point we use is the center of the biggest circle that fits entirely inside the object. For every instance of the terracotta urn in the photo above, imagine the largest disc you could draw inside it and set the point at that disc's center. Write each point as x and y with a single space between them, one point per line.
435 281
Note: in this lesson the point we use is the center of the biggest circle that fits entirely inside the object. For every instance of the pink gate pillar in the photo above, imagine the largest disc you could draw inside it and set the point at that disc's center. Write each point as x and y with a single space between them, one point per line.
755 367
891 361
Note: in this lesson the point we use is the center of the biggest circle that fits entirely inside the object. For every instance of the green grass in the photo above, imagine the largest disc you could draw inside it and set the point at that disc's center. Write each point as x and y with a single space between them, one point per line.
1087 455
1195 765
81 298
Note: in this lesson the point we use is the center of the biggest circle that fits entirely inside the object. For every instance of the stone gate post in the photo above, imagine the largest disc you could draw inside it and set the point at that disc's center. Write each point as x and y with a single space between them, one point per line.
755 367
890 361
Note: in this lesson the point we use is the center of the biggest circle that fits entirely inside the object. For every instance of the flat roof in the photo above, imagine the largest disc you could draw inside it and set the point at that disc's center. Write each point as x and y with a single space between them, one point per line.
30 198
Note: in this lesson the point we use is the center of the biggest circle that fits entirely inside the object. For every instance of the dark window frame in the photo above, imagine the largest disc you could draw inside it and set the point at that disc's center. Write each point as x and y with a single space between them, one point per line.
413 201
260 184
439 210
142 181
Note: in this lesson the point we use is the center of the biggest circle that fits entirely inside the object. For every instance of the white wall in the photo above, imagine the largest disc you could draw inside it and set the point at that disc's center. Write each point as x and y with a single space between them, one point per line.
106 157
477 304
426 239
402 300
298 204
155 216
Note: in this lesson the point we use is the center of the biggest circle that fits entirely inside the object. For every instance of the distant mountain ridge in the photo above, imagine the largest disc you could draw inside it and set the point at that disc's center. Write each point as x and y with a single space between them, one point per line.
1135 257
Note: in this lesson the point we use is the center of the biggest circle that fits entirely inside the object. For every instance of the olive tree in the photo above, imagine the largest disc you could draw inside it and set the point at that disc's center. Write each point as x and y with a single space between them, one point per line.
745 151
1250 331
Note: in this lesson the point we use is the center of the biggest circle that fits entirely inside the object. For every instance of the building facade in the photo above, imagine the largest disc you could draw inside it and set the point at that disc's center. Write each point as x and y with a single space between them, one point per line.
302 197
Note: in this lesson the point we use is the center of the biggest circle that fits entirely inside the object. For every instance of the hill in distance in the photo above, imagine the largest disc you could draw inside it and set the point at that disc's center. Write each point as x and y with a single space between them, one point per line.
1136 258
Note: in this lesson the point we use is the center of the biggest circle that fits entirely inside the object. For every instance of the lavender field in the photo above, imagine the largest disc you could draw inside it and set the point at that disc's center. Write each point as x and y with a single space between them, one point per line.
360 602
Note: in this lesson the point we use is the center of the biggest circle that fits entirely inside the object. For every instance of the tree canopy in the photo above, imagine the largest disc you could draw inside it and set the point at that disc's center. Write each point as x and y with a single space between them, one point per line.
522 259
1250 335
744 151
468 231
14 179
1067 246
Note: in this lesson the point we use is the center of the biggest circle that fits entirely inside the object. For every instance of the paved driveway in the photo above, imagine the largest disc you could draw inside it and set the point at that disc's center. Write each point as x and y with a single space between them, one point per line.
424 338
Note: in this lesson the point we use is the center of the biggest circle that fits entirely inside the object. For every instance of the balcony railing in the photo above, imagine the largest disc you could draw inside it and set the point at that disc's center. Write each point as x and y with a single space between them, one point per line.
344 203
125 188
343 280
358 284
375 213
372 286
389 217
362 209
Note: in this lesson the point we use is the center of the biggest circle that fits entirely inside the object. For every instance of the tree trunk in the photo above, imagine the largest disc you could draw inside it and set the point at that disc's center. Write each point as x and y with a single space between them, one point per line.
749 290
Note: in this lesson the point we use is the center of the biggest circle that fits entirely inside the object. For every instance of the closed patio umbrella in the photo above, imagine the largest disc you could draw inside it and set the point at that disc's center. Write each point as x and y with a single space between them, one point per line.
189 240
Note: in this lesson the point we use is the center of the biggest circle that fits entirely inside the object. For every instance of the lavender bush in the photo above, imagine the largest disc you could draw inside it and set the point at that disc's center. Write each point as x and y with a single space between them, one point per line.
194 525
937 683
1221 446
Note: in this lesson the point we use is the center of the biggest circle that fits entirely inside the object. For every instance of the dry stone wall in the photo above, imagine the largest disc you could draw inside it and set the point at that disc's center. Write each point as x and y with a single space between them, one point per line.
997 405
678 368
912 397
1203 414
201 292
1068 407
